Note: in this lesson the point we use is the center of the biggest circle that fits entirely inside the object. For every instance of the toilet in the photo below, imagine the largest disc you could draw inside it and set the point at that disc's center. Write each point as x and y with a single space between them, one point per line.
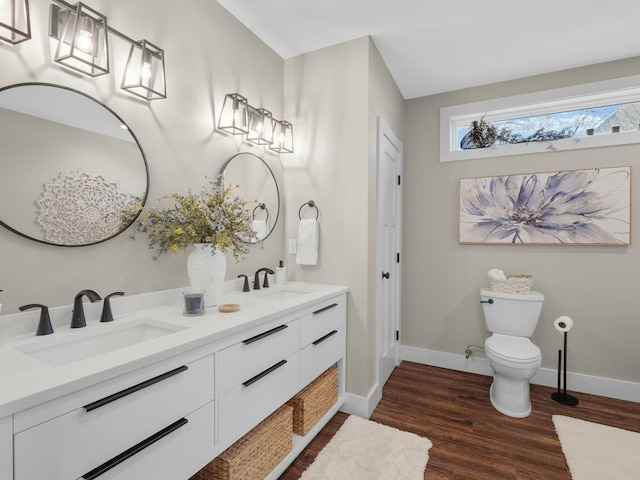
511 318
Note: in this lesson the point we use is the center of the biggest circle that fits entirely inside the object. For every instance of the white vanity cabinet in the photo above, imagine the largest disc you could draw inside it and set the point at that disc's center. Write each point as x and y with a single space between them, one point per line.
156 418
6 448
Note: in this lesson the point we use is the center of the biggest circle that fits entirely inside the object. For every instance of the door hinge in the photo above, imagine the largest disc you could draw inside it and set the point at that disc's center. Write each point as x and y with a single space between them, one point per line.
397 335
397 258
398 179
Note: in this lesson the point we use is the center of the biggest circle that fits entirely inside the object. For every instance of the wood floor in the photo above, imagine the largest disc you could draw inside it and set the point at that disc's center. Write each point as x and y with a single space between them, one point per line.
471 440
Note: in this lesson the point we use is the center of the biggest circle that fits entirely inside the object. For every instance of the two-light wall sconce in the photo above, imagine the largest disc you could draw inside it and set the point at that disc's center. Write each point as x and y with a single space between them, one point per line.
83 44
259 126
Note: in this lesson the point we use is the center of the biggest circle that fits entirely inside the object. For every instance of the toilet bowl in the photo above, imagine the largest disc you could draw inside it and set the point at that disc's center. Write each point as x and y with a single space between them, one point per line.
514 361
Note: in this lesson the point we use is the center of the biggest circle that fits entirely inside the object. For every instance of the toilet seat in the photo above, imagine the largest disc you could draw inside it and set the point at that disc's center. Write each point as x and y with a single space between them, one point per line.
511 349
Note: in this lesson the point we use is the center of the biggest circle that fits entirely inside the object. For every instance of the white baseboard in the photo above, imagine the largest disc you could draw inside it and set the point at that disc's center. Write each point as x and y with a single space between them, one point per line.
606 387
362 406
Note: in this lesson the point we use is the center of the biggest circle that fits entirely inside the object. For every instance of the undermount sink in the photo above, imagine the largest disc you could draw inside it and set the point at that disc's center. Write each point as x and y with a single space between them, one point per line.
283 293
72 348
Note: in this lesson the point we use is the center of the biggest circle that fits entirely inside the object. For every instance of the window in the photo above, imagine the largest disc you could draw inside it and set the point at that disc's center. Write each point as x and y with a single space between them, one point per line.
585 116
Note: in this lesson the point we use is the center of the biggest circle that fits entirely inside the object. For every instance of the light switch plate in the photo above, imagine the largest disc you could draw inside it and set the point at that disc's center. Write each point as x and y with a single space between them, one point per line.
293 246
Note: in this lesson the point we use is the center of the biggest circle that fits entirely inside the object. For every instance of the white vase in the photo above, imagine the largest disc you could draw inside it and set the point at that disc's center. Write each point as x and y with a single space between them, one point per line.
206 269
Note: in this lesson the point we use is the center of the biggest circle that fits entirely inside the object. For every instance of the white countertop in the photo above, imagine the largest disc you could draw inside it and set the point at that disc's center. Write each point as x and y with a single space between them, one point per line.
26 381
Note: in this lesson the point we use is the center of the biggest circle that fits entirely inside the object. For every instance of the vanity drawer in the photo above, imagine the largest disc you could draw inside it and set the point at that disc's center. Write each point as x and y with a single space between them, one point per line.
260 349
6 448
320 355
325 318
248 404
177 454
72 444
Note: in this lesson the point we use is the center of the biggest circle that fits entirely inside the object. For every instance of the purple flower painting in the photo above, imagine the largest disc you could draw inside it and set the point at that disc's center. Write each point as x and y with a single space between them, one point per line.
576 207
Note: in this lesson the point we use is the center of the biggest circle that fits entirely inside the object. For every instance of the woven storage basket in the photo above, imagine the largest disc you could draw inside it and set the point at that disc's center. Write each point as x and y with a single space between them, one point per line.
314 400
513 284
256 454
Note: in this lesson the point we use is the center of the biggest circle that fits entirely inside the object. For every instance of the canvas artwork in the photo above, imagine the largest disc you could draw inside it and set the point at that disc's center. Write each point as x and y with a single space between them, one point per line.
575 207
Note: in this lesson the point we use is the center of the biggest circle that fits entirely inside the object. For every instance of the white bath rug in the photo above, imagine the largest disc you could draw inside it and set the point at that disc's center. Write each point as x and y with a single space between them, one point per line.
366 450
598 452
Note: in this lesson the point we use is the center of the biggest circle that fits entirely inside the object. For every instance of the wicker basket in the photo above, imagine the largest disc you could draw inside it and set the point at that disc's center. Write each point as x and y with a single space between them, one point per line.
256 454
314 400
513 284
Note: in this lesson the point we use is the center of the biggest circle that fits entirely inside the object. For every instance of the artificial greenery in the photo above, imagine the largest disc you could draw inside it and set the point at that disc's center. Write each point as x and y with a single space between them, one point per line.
483 134
213 216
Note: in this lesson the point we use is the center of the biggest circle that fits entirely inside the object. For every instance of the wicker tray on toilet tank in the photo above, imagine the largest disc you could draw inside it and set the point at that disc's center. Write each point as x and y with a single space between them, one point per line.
314 400
513 284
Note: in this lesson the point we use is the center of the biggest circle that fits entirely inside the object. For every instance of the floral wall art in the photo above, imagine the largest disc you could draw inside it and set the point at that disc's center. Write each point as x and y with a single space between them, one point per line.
574 207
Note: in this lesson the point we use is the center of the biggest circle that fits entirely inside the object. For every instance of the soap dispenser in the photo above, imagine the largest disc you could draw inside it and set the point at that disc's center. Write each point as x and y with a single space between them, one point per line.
281 274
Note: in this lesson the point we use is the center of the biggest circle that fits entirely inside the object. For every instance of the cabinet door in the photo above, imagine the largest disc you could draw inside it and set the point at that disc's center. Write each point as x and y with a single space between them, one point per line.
6 448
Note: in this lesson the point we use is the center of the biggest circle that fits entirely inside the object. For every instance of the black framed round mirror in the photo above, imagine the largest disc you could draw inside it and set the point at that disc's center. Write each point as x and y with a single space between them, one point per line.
73 173
257 184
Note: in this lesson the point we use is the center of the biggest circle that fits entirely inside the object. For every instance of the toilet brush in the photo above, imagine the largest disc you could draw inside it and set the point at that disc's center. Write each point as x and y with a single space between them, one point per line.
563 324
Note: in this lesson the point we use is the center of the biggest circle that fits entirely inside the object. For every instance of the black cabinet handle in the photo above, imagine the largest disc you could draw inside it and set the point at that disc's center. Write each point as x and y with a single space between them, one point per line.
273 368
128 391
325 309
264 334
118 459
322 339
490 301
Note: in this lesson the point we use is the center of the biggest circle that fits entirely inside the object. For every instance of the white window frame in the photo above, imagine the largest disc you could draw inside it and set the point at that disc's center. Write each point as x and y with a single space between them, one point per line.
608 92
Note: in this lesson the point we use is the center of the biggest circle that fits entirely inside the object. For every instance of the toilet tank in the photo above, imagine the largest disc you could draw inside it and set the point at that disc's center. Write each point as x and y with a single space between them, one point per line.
511 313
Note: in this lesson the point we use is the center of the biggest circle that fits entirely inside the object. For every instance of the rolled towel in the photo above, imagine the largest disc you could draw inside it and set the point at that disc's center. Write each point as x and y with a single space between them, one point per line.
563 324
496 274
307 253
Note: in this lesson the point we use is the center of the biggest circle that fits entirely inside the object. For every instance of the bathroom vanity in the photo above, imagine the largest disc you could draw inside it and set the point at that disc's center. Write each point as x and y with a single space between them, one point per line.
158 395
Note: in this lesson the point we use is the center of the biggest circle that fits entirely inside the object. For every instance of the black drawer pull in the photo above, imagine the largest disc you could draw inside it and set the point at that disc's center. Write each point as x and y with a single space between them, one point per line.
264 374
128 391
329 307
264 334
322 339
118 459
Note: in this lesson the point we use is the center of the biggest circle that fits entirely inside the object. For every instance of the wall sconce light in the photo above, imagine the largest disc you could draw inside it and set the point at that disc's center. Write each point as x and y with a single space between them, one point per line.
82 41
282 137
15 25
259 126
83 46
234 118
144 73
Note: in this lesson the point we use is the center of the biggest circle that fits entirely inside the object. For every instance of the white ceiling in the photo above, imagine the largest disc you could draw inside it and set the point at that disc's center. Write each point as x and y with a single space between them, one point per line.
432 47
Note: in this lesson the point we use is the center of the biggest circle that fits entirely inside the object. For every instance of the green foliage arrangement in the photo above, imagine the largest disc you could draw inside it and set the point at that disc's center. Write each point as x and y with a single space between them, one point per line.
213 216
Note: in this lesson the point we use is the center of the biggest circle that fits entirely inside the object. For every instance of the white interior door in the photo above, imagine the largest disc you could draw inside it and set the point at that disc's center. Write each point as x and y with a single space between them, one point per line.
389 242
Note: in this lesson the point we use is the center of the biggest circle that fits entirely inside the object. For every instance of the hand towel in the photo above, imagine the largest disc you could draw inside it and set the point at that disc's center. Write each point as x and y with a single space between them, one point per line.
261 227
307 242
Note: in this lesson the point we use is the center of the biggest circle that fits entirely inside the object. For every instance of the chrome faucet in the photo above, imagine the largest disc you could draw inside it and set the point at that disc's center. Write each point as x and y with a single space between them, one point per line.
256 279
77 317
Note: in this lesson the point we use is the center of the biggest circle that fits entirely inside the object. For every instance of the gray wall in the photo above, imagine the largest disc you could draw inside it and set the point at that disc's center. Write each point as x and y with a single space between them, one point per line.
208 54
596 286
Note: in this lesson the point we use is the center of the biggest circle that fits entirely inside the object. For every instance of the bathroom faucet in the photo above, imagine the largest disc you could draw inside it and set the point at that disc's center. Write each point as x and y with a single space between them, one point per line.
44 325
77 317
245 286
256 280
107 315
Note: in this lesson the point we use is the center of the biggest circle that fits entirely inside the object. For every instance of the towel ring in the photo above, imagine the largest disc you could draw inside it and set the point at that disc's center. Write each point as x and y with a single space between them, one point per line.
310 203
263 207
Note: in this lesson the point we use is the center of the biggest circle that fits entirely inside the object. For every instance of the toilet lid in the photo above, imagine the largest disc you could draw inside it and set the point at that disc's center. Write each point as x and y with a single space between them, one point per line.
510 348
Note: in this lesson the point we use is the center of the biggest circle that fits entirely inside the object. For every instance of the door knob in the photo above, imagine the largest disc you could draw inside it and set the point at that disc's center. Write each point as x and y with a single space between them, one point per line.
386 275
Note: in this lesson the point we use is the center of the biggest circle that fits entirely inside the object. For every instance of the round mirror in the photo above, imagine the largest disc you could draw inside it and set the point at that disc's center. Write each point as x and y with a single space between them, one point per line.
73 173
256 184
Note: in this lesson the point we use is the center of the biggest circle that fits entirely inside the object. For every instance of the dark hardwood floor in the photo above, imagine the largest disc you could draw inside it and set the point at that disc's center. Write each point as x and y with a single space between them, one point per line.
471 440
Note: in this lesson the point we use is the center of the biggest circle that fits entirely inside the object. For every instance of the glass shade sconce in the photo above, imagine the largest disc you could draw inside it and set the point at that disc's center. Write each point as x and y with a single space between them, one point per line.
83 46
15 25
234 117
282 137
260 126
257 124
144 73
